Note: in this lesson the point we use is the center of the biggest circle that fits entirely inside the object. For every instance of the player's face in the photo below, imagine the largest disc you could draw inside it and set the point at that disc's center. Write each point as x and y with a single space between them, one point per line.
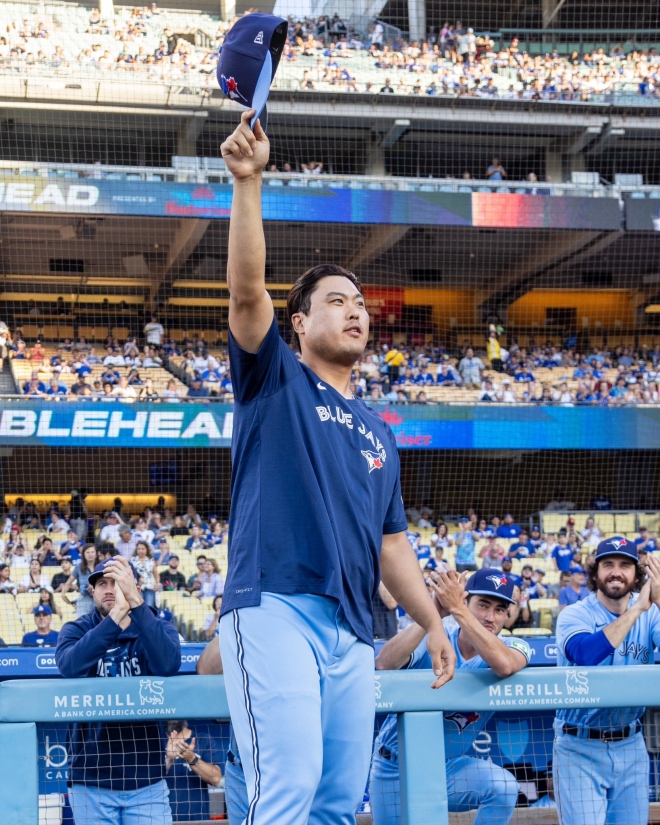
337 325
104 595
490 612
616 576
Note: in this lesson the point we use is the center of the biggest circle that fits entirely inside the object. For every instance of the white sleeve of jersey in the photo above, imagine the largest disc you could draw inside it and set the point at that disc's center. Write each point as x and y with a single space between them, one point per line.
654 625
520 645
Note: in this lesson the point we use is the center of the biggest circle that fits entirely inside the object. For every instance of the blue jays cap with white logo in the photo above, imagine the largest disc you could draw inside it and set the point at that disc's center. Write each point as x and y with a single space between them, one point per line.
489 582
431 564
42 610
99 571
617 546
248 61
165 614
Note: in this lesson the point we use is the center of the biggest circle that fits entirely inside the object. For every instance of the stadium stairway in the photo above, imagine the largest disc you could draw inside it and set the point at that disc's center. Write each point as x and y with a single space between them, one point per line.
7 383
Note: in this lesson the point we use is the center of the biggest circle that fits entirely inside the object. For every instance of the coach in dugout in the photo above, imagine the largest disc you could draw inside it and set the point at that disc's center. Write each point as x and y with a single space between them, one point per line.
117 769
600 762
480 609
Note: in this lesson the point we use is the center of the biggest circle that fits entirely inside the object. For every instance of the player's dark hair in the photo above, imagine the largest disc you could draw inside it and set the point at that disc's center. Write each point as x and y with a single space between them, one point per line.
300 297
592 575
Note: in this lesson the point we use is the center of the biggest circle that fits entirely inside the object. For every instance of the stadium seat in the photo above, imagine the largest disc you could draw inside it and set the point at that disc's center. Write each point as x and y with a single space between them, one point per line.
625 523
531 631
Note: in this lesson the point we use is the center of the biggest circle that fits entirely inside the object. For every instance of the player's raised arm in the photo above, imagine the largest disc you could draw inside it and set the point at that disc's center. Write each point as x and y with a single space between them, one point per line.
250 308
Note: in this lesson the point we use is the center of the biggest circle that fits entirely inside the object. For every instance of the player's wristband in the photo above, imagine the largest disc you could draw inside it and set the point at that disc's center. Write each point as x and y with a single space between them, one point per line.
195 760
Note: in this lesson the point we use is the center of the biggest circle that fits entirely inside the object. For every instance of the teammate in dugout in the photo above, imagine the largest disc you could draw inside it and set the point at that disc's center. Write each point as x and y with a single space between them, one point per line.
600 762
316 518
118 769
480 609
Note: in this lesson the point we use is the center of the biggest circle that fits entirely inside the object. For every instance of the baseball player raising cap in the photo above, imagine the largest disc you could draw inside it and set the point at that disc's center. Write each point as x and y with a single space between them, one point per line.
480 609
600 765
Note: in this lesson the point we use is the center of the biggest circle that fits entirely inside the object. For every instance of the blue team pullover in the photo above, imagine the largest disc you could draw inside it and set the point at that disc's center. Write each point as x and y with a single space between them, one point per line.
118 756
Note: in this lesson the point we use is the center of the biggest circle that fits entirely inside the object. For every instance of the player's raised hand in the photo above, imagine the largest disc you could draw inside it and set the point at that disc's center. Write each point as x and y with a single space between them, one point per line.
449 588
442 656
653 570
245 151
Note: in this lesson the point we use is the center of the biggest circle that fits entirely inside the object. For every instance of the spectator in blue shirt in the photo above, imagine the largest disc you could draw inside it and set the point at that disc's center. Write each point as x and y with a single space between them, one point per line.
535 538
575 591
537 590
645 541
55 388
524 375
508 530
562 554
197 390
522 548
72 547
193 754
448 376
43 636
197 540
601 501
507 564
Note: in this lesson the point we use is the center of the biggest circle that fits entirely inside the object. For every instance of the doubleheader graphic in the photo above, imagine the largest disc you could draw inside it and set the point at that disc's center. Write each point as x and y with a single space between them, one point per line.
230 88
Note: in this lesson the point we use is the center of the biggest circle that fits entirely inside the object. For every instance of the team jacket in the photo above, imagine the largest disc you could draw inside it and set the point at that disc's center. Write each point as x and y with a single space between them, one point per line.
119 756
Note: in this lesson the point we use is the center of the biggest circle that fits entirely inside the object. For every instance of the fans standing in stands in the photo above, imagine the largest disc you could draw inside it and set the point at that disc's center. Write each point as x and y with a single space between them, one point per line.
43 636
147 572
78 514
553 590
601 501
197 541
118 768
79 581
575 591
522 548
60 579
495 171
17 550
592 534
519 613
494 351
48 555
465 546
72 546
154 331
562 554
470 368
192 758
211 628
125 547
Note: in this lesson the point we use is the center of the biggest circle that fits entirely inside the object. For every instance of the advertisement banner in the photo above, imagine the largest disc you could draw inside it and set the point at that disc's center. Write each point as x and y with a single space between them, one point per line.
317 204
643 215
433 427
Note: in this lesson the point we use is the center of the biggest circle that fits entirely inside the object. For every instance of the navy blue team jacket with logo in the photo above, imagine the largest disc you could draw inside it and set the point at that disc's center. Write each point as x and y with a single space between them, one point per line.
119 756
315 485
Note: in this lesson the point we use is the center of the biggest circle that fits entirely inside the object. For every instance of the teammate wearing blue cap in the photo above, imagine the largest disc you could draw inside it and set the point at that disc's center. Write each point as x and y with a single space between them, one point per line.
600 764
480 610
316 518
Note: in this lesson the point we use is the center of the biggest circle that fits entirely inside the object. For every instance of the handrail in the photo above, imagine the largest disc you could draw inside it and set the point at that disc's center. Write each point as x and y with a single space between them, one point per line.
23 703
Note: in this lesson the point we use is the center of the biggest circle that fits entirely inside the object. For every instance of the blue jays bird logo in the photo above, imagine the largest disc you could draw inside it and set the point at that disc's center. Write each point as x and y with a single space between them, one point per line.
498 581
462 720
230 88
374 460
616 543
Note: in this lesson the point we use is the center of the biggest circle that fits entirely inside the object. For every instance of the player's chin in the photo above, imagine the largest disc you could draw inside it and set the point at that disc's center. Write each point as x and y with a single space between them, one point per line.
347 352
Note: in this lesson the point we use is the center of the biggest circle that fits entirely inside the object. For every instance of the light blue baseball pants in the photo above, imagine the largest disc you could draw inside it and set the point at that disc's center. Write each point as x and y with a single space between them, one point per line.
300 687
471 783
601 783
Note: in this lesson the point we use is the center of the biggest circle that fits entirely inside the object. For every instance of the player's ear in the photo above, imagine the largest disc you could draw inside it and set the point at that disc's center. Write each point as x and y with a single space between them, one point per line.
298 323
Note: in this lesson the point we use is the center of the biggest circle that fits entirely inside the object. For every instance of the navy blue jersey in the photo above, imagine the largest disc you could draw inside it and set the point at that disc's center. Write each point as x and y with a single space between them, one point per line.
315 485
189 796
119 756
36 639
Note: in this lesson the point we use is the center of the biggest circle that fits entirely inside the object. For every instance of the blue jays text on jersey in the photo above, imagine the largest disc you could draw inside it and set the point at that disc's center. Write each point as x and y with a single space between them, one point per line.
315 485
461 728
590 616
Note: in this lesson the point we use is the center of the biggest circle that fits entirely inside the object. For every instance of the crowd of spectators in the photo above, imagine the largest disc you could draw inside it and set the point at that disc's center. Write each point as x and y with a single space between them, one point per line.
487 371
326 53
74 542
548 374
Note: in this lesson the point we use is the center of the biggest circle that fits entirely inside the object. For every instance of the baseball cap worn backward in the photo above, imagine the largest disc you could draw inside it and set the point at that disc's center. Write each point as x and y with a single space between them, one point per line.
617 546
489 582
249 59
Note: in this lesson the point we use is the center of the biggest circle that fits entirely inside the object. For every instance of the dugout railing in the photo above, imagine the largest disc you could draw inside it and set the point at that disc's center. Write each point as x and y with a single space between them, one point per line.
24 703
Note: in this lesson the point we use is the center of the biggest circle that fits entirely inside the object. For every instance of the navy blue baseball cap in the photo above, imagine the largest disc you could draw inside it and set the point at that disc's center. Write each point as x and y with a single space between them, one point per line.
42 610
489 582
577 570
617 546
431 564
99 571
248 61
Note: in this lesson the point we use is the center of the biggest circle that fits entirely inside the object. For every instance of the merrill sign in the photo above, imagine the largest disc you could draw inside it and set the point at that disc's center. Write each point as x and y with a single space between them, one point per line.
573 691
82 706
